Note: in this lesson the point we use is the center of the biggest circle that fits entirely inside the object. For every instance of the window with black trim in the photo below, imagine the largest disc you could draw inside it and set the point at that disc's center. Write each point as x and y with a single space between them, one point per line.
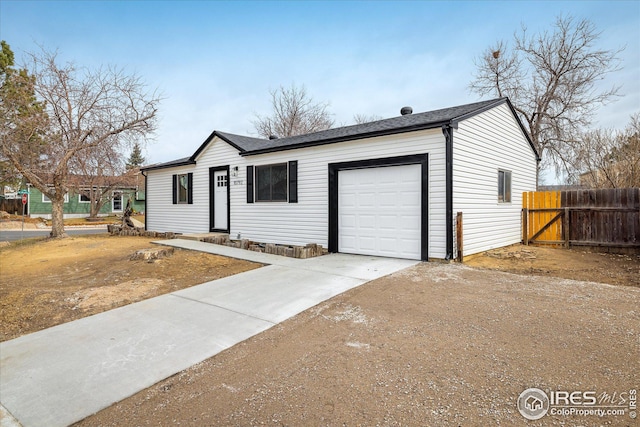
271 183
183 188
504 186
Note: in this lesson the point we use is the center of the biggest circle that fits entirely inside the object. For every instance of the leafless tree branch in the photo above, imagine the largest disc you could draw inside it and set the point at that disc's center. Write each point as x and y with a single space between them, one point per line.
294 113
552 80
607 158
93 115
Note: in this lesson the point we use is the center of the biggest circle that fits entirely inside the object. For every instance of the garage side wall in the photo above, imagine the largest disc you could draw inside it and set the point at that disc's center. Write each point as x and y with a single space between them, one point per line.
483 145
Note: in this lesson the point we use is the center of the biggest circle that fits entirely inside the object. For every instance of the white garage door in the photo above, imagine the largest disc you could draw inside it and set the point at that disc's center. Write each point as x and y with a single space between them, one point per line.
379 211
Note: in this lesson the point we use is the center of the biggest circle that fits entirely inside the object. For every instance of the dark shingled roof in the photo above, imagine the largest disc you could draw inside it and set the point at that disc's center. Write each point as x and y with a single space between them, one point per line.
408 123
393 125
173 163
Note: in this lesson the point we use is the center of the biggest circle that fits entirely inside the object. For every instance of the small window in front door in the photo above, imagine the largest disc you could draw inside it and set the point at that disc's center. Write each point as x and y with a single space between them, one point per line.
221 181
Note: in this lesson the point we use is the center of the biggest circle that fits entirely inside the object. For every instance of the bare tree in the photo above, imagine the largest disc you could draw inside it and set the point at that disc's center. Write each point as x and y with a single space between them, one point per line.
606 158
97 173
551 79
294 113
87 109
366 118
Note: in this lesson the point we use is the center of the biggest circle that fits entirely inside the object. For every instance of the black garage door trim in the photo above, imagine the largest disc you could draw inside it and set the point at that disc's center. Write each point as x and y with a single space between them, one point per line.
334 168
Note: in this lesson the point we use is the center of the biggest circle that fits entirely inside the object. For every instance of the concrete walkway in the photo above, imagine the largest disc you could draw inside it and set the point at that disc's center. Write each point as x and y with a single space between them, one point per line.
63 374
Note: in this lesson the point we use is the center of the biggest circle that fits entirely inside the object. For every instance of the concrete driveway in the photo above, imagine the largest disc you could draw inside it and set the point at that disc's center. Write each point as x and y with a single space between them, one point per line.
61 375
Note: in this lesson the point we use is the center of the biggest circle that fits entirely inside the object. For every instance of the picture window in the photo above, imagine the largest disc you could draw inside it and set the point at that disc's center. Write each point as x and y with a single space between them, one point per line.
271 183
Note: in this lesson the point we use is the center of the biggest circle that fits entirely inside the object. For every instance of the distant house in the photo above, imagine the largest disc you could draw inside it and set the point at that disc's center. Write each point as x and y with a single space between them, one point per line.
77 203
388 188
9 193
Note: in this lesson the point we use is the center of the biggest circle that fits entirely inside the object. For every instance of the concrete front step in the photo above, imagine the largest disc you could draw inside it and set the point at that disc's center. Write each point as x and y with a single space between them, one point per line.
199 236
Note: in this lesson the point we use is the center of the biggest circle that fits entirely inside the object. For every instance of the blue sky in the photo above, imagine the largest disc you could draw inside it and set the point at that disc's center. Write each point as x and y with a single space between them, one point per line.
215 61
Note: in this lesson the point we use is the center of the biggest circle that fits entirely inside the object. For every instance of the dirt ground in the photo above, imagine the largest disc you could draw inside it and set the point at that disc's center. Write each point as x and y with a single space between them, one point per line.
50 282
577 264
435 344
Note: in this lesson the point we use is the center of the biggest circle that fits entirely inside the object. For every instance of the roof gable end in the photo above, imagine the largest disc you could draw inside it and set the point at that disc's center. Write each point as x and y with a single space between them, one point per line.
501 101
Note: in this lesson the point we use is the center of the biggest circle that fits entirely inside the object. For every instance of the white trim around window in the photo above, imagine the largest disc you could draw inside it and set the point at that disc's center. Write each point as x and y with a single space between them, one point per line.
45 199
80 199
504 186
117 201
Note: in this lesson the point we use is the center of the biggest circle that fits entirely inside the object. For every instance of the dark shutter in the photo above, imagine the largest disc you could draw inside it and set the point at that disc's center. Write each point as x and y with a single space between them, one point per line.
175 189
249 184
293 181
190 188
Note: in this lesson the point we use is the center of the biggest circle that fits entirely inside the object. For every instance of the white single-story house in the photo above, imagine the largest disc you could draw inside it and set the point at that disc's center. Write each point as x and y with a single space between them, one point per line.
389 188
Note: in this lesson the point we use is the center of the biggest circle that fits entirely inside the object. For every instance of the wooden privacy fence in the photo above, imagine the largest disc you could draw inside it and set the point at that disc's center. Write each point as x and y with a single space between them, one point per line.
11 205
608 218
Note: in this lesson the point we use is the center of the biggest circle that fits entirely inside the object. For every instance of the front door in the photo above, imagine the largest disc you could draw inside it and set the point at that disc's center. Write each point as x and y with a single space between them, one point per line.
219 199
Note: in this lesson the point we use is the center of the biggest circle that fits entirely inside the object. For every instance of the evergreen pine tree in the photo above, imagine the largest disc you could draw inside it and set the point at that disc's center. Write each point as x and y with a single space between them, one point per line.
135 159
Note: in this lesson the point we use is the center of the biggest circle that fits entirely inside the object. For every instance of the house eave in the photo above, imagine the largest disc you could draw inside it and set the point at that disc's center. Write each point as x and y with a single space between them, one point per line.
168 165
222 137
206 142
386 132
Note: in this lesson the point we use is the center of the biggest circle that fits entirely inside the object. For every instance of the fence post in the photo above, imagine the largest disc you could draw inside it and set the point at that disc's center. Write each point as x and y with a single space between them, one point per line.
459 236
565 227
525 226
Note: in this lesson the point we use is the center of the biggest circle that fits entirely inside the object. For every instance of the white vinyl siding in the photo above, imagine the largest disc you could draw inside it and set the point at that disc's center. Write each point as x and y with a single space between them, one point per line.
163 215
482 145
307 220
293 223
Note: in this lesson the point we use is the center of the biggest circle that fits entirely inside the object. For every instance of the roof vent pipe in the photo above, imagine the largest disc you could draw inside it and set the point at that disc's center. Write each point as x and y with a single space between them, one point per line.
405 111
273 137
